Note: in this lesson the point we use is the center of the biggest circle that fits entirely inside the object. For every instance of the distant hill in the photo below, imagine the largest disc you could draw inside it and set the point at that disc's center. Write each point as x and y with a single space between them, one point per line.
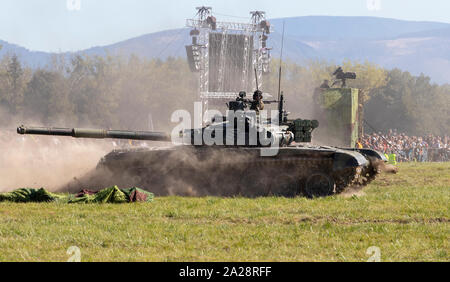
338 28
31 58
409 45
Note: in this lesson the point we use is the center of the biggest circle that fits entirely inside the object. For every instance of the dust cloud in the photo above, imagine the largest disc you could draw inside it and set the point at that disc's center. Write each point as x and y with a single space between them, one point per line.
45 161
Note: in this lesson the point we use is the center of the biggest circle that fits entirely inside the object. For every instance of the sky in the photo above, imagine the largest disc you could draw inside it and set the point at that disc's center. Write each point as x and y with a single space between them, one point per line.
71 25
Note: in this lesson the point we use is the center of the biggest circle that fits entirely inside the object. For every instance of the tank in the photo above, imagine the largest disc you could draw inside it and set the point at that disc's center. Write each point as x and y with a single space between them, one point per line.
243 153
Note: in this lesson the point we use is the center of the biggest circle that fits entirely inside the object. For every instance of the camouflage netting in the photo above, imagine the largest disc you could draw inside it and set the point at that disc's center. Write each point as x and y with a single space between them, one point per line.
29 195
108 195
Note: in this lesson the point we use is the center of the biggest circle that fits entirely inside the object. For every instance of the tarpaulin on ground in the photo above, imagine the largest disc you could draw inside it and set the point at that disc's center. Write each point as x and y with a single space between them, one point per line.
29 195
108 195
113 195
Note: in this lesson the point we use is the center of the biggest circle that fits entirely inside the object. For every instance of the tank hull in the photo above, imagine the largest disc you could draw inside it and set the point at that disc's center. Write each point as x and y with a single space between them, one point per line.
234 171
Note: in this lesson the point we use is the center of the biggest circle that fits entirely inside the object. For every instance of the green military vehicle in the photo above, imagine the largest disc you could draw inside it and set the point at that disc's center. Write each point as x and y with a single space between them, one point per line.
267 157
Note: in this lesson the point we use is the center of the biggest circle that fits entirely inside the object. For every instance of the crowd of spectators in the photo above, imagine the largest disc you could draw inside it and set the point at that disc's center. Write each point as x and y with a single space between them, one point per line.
429 148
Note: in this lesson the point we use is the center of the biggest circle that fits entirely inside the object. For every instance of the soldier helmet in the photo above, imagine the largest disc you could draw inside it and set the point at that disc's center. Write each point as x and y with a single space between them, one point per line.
257 95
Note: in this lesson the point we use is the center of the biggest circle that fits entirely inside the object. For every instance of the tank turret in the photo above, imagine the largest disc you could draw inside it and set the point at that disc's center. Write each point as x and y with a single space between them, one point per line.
244 117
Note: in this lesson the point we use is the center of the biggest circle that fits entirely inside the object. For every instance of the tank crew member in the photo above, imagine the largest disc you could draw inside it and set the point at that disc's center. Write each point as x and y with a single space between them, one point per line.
257 103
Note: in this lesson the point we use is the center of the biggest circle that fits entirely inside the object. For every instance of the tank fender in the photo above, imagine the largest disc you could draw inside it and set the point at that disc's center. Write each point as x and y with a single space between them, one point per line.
369 153
373 153
348 159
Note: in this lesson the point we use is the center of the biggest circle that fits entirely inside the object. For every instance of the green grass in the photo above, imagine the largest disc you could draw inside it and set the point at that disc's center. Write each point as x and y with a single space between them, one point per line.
406 215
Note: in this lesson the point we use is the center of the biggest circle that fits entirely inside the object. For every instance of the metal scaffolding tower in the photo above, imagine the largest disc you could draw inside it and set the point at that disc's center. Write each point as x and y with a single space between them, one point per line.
238 49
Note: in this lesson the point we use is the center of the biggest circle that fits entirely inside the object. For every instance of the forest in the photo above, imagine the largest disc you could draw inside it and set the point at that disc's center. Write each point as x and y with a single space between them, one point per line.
126 93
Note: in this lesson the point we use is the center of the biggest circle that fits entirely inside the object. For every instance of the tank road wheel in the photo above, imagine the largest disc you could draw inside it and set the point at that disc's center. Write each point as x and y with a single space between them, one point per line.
319 185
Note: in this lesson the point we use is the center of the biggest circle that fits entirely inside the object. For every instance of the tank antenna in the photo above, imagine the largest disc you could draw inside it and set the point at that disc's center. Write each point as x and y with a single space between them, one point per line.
279 71
280 96
256 77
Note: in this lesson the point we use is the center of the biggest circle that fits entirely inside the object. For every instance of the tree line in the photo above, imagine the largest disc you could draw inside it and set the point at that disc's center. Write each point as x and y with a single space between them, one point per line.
126 93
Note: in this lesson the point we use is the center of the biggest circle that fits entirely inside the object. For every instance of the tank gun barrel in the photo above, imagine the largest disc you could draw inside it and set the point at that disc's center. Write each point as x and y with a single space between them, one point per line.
95 133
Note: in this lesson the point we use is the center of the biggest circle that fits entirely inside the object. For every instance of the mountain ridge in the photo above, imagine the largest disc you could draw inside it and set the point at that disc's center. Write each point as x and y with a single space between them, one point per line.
414 46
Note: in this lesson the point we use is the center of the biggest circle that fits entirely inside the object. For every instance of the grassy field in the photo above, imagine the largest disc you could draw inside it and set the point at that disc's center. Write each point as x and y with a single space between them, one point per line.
405 215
